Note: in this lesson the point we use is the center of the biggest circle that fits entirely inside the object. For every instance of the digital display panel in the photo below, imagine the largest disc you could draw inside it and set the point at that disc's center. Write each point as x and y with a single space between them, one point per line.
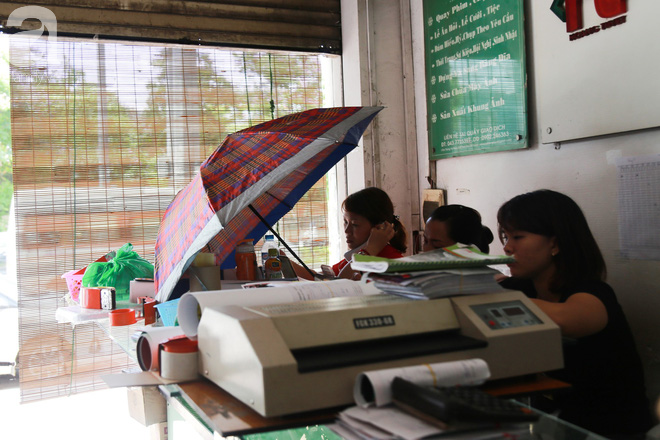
505 314
513 311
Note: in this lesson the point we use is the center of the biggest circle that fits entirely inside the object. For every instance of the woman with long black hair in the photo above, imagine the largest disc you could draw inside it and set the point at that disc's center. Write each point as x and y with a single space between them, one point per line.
559 264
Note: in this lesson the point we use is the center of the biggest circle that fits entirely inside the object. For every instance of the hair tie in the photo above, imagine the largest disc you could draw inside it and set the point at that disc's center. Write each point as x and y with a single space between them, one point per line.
396 217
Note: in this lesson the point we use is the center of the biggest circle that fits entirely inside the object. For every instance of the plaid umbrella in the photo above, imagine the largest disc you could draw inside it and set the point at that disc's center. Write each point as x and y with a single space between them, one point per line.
265 169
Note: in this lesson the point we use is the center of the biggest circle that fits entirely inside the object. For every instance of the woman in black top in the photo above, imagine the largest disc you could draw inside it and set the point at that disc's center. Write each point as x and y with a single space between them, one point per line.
559 265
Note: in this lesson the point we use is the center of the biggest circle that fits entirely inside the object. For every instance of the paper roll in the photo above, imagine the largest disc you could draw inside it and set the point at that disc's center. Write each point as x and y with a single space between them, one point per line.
148 342
373 388
192 304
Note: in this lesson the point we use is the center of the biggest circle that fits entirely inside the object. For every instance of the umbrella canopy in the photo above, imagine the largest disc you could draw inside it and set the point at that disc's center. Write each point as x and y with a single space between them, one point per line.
266 168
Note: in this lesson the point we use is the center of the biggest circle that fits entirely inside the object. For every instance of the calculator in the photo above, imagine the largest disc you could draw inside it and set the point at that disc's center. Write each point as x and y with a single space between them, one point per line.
458 404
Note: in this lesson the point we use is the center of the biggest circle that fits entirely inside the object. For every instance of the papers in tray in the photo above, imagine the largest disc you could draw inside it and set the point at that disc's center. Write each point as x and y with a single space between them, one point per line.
385 422
390 423
452 257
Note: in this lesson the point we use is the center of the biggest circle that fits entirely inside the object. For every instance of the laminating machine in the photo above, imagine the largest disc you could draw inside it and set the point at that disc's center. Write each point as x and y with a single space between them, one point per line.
303 356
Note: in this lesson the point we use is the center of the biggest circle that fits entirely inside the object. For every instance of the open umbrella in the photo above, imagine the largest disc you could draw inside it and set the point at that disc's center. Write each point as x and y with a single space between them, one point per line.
251 181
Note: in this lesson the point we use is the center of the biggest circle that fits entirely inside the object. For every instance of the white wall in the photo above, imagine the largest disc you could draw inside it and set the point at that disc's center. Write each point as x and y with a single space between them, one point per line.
583 169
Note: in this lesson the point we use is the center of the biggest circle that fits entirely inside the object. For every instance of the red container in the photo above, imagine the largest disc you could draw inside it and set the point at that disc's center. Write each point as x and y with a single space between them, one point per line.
90 297
246 261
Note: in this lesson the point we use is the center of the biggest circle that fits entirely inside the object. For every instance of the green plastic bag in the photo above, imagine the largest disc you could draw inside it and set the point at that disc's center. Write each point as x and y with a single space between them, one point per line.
118 272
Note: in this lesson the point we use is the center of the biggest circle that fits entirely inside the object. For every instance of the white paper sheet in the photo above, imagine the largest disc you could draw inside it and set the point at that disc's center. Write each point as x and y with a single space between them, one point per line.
639 207
192 304
388 419
465 372
390 422
142 378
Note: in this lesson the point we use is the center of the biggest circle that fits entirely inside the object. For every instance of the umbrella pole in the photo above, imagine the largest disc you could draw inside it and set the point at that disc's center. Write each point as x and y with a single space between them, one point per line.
302 263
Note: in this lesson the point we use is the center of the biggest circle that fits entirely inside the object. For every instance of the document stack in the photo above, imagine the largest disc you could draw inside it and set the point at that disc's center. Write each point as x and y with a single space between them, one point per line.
455 270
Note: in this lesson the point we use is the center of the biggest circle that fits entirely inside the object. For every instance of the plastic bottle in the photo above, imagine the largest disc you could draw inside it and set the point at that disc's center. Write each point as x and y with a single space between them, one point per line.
269 243
273 266
246 260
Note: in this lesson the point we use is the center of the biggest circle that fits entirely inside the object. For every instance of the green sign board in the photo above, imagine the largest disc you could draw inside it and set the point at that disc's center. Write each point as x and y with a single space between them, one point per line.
475 76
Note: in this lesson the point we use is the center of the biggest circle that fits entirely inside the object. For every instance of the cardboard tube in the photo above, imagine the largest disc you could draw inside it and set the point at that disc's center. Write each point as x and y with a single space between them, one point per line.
148 342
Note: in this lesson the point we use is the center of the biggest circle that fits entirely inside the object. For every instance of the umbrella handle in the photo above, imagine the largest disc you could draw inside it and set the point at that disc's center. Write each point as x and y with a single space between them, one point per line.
302 263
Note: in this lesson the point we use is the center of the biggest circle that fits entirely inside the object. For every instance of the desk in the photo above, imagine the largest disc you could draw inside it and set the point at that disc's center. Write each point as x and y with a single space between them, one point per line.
202 410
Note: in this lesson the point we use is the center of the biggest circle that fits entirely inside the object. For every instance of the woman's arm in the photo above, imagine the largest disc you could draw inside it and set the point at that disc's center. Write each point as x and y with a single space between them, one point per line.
582 314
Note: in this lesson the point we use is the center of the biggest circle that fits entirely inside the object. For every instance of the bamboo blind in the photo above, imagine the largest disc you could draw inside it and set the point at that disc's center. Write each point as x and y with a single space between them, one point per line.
301 25
104 134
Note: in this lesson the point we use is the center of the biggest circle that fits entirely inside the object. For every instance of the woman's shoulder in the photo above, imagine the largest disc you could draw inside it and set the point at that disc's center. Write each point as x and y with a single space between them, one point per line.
390 251
595 287
599 289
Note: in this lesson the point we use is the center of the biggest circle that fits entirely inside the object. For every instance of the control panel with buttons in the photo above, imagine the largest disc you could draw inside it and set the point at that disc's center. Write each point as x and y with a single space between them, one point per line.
508 314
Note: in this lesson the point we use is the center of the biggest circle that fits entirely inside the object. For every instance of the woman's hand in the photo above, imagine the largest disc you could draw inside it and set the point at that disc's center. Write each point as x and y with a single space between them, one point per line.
380 236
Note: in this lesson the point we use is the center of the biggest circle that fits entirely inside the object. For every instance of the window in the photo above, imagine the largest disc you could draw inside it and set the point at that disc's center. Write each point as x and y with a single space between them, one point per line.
104 134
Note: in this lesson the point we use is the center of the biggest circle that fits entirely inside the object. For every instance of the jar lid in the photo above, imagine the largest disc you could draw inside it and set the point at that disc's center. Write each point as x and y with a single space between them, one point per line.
245 246
180 344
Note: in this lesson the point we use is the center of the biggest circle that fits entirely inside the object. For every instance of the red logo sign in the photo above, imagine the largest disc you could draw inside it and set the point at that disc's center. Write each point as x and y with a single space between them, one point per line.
570 12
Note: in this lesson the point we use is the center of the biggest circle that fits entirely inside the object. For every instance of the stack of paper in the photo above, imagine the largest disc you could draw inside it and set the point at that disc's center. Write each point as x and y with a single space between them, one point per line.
384 423
391 423
437 283
455 270
452 257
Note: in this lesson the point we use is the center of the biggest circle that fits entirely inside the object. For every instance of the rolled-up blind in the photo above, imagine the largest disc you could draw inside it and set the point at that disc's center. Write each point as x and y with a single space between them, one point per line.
299 25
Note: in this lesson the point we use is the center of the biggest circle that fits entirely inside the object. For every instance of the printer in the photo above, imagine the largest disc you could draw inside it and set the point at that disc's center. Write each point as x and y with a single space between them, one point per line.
289 358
